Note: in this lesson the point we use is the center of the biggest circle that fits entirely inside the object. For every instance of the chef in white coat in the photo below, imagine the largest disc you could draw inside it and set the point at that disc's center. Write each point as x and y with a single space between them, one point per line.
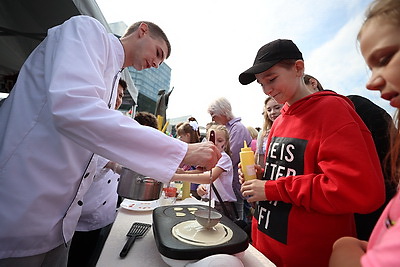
59 113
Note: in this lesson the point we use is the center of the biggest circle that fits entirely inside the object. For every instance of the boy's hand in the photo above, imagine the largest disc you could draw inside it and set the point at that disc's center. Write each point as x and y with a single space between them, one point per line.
254 190
259 172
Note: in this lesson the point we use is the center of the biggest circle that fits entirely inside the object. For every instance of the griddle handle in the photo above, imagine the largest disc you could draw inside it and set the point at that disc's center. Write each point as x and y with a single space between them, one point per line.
127 246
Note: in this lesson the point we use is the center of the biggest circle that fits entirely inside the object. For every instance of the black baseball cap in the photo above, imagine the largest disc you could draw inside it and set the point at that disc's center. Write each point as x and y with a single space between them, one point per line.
268 56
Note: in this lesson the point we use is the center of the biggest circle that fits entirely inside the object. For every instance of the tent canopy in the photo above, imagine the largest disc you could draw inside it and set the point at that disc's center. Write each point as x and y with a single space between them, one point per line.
24 24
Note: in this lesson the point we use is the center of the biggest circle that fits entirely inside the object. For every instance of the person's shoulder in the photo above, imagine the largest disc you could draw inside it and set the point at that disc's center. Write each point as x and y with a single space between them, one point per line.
328 97
363 103
225 162
82 18
84 22
237 123
224 154
225 157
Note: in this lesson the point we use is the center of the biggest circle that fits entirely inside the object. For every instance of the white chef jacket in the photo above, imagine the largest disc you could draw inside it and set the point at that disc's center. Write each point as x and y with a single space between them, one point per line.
55 117
100 201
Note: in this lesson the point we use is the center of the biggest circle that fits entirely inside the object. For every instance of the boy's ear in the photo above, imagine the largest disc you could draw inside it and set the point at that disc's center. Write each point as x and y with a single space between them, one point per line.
299 66
143 29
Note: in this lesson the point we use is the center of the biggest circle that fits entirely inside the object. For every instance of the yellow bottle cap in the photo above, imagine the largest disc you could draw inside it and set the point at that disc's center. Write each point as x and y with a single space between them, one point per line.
245 148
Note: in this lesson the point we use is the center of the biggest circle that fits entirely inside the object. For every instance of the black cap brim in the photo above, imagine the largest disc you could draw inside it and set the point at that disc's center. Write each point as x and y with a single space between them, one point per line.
248 76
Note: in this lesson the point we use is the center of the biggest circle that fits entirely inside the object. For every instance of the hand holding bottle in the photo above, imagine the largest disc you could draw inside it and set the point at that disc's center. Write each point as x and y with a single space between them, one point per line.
247 163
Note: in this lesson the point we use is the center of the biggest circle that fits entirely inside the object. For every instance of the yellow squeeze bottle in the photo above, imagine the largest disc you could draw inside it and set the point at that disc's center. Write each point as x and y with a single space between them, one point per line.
247 162
185 190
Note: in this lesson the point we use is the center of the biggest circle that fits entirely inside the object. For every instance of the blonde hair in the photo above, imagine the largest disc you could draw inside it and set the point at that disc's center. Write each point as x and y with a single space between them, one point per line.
253 132
388 11
221 128
267 121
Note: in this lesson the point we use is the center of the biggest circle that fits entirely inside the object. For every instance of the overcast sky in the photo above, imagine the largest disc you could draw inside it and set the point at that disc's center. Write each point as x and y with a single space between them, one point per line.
213 41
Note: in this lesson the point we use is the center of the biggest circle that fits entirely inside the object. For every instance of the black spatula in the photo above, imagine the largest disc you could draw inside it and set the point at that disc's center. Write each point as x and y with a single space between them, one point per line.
137 230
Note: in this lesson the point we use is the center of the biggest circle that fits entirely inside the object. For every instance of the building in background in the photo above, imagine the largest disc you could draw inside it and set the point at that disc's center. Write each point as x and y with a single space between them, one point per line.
149 82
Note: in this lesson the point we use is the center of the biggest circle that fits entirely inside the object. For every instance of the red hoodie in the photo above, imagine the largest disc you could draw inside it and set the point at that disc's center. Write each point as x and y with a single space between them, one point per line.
321 167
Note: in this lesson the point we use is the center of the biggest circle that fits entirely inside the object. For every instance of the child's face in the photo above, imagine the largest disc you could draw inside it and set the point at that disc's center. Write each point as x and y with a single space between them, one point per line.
380 47
273 109
220 140
280 83
120 95
185 137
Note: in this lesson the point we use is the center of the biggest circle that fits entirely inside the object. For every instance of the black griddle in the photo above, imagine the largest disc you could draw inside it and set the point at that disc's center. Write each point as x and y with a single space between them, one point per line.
164 218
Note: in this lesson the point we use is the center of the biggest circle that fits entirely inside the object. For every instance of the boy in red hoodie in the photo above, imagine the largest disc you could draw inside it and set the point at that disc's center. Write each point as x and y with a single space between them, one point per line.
321 165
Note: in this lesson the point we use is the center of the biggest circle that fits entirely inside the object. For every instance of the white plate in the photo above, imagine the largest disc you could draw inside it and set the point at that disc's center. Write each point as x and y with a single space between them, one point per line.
136 205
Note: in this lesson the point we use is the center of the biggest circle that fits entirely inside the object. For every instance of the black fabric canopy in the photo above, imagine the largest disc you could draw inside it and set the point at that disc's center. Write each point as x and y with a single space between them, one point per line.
24 24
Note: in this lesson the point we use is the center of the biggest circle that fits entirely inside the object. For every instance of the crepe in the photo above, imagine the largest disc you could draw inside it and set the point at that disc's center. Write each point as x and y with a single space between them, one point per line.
191 232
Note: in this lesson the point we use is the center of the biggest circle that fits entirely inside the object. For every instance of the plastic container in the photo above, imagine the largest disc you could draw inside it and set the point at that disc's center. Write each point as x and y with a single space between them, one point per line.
169 194
247 162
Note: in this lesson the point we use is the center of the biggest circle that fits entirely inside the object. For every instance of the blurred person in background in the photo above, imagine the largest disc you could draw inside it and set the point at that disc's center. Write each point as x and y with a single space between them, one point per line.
220 111
271 111
189 132
253 133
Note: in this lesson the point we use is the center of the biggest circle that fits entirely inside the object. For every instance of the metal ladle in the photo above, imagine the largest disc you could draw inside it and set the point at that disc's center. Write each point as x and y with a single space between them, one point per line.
207 219
212 139
213 218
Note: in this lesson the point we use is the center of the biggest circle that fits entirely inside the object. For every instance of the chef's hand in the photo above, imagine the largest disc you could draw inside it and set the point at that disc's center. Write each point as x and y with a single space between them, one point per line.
254 190
202 154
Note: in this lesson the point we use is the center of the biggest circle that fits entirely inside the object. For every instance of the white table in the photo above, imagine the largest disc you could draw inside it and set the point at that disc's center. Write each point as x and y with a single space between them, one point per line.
144 251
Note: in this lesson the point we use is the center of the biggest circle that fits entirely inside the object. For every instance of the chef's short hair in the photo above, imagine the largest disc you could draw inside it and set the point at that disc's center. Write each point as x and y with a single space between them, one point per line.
155 31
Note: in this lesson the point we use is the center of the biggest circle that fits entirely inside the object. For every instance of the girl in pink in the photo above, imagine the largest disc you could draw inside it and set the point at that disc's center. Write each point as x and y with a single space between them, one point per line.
380 46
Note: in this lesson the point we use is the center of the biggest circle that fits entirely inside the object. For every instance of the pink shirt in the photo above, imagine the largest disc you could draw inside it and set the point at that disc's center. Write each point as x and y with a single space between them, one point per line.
253 145
384 245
